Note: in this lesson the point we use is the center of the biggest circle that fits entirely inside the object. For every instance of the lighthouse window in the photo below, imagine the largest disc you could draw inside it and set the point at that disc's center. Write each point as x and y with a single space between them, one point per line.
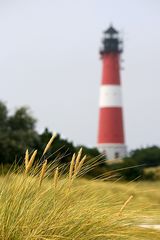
116 154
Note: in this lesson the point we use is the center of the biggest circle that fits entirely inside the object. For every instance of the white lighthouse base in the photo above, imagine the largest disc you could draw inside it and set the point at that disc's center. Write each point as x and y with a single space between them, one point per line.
113 151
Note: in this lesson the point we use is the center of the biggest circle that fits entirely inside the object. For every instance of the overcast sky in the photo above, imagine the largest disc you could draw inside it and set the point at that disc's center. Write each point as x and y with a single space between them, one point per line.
49 60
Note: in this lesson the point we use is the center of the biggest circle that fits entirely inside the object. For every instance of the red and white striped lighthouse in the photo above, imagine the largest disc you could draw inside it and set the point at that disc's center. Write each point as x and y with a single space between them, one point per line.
111 132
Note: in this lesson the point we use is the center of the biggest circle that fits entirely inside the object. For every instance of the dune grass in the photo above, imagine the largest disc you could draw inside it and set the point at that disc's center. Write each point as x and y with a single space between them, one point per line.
39 203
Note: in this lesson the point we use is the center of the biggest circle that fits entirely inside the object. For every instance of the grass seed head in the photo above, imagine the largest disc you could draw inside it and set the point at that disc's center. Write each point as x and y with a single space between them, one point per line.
30 163
43 171
77 160
81 164
72 167
26 159
49 143
55 179
125 204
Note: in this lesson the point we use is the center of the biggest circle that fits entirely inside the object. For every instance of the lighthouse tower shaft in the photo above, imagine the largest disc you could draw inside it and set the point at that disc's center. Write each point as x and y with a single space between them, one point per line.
111 131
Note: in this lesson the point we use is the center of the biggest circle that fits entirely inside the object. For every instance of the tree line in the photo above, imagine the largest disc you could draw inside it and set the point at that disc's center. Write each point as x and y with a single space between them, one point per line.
18 133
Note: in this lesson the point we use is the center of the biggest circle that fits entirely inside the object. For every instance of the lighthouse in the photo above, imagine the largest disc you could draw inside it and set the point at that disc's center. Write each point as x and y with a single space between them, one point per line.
111 140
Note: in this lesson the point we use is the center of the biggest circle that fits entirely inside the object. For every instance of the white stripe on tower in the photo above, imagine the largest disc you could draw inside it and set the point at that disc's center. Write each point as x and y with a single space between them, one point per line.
110 96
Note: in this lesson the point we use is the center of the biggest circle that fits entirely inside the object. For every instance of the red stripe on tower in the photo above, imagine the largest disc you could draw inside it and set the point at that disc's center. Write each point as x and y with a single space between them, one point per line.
111 132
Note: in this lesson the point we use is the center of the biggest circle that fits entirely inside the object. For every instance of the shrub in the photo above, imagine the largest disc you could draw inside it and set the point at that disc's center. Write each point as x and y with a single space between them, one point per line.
151 173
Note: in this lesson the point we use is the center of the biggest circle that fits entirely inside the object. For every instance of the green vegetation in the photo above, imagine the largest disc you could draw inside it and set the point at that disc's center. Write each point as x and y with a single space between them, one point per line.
138 163
18 133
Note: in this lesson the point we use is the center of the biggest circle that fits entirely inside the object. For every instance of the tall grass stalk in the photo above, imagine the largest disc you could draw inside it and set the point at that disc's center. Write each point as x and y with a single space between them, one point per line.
125 204
77 160
26 158
49 143
43 171
30 162
55 179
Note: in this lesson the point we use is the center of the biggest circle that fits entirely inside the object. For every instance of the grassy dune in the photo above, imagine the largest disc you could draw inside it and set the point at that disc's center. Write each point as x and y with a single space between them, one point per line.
39 203
85 210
